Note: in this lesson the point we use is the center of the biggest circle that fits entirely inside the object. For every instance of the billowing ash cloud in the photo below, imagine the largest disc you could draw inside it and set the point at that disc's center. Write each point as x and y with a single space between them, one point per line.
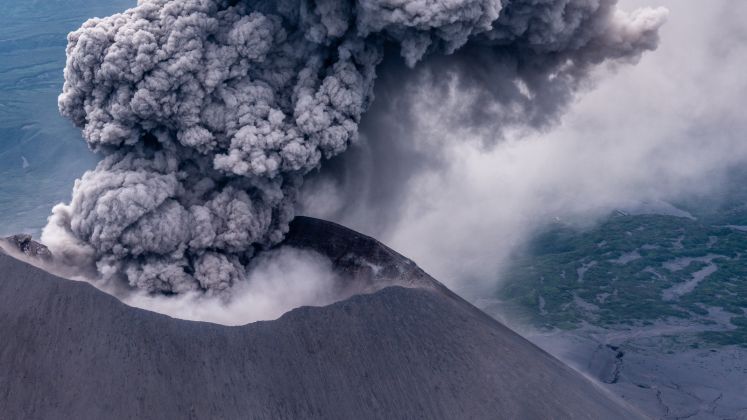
210 112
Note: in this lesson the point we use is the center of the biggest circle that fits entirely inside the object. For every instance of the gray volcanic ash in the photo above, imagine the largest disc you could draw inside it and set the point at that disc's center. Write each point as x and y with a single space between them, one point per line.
210 112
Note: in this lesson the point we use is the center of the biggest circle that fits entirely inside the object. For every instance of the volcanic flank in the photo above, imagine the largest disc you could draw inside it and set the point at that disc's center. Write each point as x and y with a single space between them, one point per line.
406 348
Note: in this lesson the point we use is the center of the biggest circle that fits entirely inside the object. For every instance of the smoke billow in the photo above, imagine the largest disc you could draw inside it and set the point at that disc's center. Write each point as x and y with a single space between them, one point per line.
210 112
264 295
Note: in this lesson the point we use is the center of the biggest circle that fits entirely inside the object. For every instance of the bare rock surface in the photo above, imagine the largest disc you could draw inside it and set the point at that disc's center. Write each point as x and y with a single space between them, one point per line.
25 244
69 350
364 264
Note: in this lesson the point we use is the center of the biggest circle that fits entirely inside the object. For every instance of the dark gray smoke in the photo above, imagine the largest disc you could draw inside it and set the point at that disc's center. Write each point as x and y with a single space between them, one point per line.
210 112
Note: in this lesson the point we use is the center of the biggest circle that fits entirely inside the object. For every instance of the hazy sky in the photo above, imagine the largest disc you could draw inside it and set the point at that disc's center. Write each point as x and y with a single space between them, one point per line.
667 126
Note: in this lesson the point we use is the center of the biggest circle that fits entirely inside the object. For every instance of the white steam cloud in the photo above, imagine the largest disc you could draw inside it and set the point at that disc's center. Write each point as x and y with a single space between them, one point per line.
277 281
211 112
669 128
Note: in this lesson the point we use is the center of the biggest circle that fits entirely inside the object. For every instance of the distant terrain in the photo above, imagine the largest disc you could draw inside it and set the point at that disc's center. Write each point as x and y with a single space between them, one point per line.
635 270
652 302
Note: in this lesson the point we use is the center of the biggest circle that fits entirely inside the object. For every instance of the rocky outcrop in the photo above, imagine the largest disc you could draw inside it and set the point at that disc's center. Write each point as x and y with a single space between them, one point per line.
25 244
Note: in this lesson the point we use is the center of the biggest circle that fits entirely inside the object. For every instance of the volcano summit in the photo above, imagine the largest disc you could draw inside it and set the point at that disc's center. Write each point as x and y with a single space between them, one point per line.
405 348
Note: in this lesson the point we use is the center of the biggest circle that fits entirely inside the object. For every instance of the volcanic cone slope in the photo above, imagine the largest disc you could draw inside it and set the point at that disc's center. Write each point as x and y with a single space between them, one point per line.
68 350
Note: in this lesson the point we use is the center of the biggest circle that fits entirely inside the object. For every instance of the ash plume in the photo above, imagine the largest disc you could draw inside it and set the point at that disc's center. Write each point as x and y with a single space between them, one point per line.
209 113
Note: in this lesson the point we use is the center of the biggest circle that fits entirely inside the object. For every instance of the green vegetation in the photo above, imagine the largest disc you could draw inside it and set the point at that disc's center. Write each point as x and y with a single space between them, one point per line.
635 270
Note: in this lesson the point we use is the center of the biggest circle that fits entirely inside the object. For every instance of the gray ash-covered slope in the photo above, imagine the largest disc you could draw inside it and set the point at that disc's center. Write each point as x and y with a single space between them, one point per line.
68 350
